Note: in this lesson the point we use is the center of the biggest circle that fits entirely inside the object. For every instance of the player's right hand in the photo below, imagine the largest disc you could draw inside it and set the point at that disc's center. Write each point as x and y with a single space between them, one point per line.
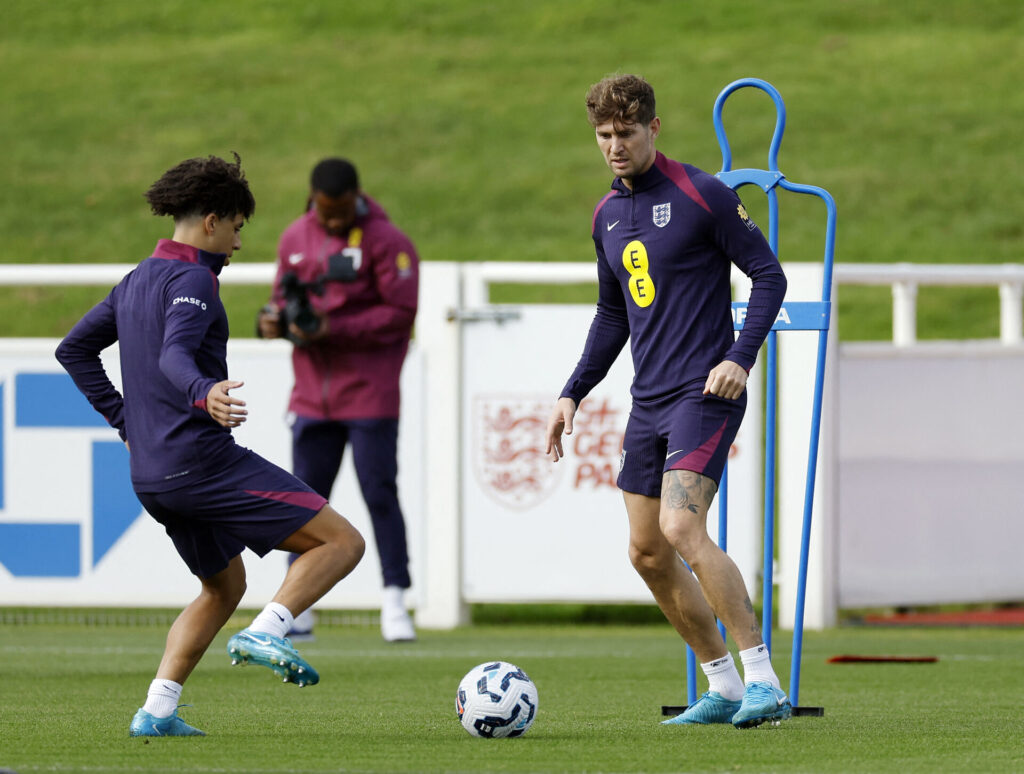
560 421
225 409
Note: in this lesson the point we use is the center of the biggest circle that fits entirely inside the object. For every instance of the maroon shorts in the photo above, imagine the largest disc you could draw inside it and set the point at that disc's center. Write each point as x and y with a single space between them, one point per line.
686 431
252 504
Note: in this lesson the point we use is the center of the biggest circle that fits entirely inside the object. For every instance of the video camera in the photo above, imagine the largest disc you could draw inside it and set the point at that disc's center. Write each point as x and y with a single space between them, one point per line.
298 309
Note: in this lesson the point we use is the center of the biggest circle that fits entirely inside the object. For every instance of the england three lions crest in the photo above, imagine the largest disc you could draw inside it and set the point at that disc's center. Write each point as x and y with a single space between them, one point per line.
662 214
508 449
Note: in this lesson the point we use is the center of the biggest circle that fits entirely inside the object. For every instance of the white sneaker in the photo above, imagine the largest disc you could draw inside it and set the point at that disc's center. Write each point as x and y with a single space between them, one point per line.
395 622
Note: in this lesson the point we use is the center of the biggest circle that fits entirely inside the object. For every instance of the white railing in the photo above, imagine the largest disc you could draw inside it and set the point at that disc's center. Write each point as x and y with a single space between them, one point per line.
112 273
903 278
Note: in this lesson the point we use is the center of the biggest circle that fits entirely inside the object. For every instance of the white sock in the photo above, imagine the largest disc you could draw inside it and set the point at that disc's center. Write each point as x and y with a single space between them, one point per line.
723 677
757 666
275 620
162 699
394 598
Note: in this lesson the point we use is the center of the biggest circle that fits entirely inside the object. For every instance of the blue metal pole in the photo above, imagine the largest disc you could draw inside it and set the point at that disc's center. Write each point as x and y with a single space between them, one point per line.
723 524
805 531
771 441
691 676
767 576
812 453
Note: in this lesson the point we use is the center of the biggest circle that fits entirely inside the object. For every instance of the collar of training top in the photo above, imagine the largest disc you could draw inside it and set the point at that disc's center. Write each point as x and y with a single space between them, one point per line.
178 251
644 180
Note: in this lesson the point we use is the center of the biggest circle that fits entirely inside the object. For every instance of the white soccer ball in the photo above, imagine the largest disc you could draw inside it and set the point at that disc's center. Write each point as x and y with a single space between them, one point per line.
496 699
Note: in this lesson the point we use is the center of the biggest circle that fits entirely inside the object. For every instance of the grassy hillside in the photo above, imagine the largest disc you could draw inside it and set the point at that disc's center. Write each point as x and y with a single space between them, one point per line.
466 121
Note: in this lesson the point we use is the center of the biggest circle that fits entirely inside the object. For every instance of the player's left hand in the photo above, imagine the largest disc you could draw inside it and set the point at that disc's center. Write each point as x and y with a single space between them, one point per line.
726 380
225 409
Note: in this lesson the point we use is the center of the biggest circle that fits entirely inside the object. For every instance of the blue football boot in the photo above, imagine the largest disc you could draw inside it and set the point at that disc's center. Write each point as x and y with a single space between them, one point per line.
762 702
144 724
248 647
710 708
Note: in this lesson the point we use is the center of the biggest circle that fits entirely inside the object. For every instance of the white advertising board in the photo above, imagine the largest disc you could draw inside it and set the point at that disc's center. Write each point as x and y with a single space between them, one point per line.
534 530
71 530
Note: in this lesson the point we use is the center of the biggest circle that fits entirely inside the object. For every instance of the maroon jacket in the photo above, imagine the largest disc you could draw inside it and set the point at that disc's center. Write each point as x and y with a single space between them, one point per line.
354 373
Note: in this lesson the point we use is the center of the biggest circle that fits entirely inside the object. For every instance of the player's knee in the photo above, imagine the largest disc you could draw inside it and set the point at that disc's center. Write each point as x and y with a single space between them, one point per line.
227 594
648 561
356 544
345 538
235 594
685 536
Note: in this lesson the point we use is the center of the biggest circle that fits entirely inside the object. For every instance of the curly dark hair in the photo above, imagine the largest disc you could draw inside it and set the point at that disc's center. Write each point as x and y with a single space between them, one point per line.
199 187
624 99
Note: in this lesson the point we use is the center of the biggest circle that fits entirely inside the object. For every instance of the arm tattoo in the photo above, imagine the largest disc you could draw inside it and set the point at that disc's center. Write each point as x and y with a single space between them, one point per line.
684 489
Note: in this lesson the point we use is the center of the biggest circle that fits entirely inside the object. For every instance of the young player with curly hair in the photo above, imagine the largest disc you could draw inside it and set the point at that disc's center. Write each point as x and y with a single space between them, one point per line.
175 412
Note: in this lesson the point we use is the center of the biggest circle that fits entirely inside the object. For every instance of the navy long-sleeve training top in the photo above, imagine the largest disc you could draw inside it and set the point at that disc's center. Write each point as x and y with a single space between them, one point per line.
172 329
663 261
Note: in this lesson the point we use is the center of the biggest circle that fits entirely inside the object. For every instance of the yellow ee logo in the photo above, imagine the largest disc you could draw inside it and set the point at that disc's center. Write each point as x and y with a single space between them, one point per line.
641 286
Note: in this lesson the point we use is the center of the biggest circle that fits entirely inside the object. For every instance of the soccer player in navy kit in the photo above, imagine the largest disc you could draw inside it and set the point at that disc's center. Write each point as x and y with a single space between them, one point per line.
666 235
214 497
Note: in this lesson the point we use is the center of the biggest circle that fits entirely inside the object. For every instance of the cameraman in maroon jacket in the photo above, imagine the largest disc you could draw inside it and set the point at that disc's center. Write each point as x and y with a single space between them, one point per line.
345 294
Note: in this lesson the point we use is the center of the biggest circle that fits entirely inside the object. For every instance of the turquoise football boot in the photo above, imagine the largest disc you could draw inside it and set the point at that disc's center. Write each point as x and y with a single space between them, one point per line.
762 702
710 708
144 724
248 647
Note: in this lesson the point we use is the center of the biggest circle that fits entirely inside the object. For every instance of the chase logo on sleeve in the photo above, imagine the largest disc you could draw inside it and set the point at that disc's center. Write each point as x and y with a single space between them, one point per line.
189 300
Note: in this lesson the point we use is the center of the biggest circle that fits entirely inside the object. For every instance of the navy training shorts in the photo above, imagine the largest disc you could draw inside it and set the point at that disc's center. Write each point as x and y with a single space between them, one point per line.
685 431
252 504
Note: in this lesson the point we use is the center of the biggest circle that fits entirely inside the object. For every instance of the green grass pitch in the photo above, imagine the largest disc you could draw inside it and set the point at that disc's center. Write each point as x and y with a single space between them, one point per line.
67 694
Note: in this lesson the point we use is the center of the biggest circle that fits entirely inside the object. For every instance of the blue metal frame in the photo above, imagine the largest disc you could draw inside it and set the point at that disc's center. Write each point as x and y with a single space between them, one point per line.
812 316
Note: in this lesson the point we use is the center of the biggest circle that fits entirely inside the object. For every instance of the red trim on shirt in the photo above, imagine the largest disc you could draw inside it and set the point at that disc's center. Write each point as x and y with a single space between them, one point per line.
176 251
676 172
597 209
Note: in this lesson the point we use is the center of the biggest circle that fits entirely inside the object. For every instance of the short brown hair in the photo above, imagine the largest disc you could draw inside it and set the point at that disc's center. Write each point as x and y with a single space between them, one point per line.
624 99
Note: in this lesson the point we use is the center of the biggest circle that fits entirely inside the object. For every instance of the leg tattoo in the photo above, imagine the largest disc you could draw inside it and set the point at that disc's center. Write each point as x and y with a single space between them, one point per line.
755 628
684 489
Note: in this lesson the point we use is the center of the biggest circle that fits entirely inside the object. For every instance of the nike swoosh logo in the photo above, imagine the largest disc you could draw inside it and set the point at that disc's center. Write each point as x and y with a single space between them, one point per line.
673 454
295 258
610 226
264 641
278 615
